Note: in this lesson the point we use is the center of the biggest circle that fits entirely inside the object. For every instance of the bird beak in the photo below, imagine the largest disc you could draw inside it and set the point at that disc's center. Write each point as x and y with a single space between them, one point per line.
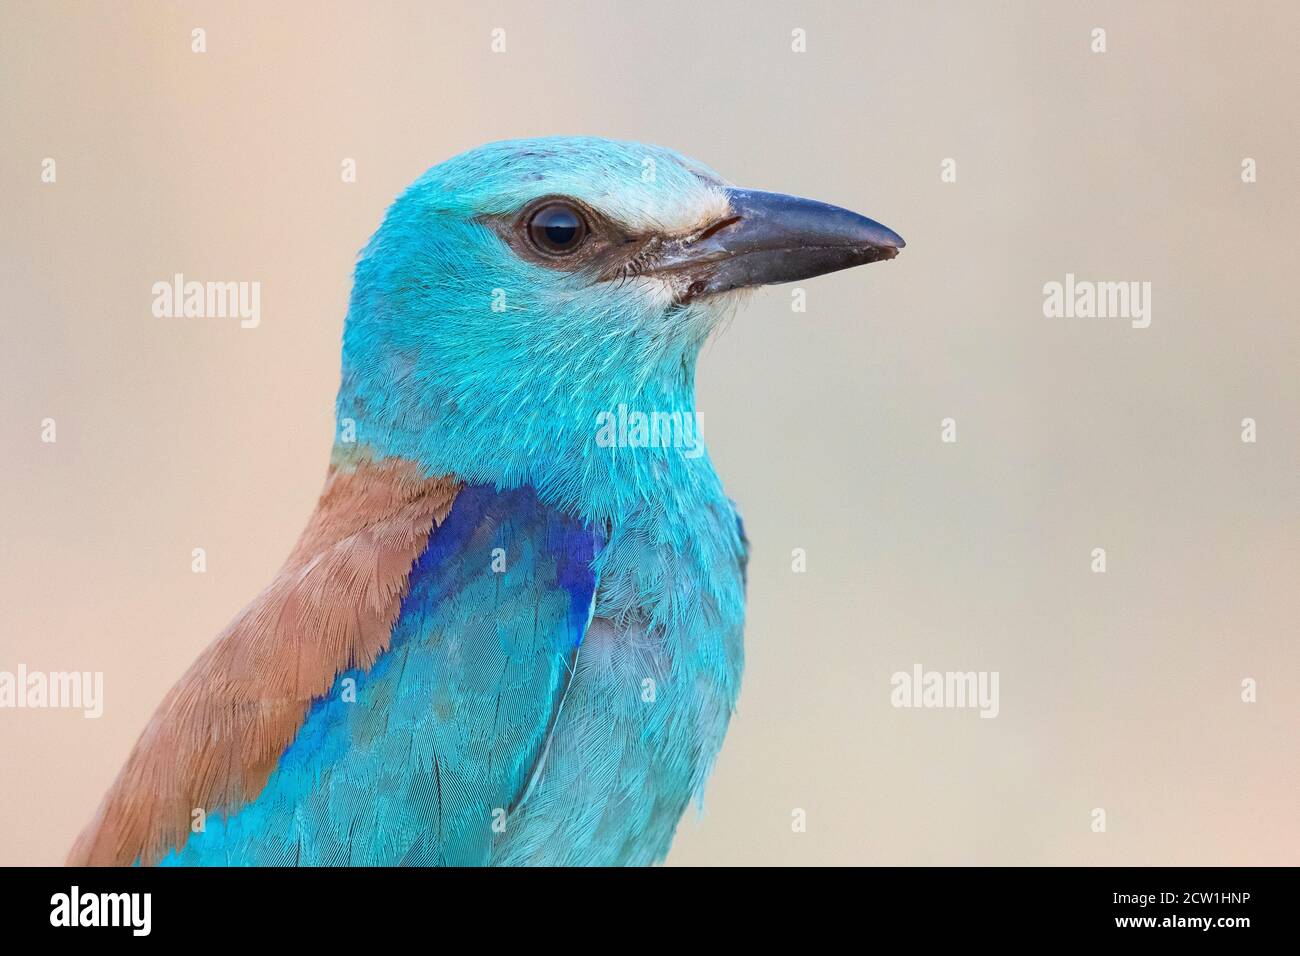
771 238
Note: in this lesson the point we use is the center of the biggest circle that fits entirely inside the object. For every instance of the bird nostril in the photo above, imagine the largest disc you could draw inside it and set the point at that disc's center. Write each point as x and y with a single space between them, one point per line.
717 227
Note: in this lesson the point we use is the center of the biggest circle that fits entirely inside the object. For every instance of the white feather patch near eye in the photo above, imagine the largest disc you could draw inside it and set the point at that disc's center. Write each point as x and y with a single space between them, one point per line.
659 291
682 214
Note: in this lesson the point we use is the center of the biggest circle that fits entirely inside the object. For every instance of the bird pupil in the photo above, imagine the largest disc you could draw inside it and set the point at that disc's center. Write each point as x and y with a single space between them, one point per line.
561 233
557 228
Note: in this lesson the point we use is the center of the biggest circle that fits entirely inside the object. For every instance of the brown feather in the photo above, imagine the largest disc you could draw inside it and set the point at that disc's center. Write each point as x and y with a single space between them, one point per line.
219 732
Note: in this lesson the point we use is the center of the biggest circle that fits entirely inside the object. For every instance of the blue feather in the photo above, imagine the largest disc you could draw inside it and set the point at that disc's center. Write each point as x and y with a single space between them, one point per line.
517 718
409 761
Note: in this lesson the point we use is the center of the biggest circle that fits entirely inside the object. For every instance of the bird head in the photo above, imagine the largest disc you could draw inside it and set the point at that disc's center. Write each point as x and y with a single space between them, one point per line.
516 292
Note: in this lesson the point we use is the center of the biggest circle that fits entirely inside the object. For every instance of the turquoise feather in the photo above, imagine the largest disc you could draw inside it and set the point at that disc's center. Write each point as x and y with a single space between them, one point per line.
568 710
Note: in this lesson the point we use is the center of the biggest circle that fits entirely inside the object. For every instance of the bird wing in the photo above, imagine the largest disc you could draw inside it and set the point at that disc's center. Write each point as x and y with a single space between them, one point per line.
400 699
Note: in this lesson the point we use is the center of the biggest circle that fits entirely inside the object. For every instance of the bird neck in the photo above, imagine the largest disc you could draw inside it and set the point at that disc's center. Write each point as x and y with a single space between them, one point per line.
600 451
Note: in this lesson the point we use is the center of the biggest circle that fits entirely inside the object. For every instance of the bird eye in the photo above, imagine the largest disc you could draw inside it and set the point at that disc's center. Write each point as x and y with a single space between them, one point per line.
557 229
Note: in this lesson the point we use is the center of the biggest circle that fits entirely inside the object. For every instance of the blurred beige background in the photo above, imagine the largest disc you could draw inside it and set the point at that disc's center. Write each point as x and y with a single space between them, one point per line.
1118 690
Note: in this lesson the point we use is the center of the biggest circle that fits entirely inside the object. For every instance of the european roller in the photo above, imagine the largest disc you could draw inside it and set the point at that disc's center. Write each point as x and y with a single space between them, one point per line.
511 631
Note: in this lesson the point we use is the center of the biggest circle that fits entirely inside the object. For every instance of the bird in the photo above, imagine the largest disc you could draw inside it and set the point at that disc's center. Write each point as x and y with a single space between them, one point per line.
511 632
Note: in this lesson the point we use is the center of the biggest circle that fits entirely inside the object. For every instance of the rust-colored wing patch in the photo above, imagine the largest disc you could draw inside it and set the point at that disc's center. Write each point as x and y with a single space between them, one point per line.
219 732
